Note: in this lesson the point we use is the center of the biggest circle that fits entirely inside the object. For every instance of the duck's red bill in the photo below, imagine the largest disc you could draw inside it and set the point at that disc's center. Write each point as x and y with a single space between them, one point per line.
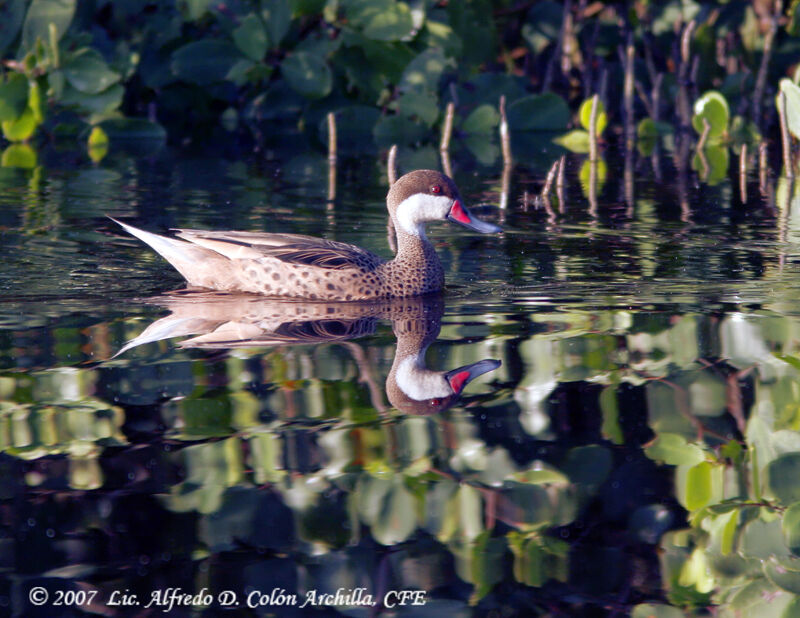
459 378
460 215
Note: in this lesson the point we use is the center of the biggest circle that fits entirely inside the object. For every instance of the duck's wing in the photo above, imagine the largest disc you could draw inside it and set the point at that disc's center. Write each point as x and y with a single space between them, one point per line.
290 248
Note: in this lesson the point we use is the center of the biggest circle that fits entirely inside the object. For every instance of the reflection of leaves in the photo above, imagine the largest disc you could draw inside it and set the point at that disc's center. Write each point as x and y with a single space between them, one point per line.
783 477
674 450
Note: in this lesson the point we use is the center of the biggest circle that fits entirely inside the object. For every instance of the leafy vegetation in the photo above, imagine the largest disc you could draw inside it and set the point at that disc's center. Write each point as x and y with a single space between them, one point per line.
388 68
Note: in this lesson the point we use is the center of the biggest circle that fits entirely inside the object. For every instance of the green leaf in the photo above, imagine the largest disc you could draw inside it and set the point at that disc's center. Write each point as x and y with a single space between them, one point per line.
649 129
585 175
22 128
486 151
354 125
673 449
35 101
730 522
195 9
717 159
482 119
398 130
783 478
133 129
277 16
542 25
585 115
98 137
538 112
42 13
89 73
204 62
696 490
382 20
12 12
656 610
782 577
21 156
791 527
792 92
13 96
251 37
418 103
102 103
307 74
425 70
576 141
712 106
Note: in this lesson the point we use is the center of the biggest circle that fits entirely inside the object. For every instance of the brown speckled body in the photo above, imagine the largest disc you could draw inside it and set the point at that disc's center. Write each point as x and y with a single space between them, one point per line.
291 265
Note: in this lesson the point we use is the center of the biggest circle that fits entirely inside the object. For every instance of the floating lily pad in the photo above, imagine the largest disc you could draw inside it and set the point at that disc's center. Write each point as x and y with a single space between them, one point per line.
307 74
539 112
713 107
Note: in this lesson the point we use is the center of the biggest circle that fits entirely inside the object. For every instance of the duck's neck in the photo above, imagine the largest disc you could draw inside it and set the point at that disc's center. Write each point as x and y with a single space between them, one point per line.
414 249
416 268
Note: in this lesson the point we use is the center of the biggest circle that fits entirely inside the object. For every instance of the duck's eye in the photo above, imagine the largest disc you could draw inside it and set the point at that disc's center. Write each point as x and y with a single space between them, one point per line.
436 189
436 402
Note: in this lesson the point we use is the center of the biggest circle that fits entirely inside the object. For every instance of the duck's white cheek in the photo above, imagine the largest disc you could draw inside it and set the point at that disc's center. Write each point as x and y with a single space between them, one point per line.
419 208
419 383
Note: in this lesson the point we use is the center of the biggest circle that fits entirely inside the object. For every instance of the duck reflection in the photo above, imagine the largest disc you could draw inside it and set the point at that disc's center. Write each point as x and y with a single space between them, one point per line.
216 320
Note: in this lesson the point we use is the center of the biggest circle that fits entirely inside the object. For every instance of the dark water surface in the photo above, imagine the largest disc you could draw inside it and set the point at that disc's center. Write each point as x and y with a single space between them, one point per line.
638 443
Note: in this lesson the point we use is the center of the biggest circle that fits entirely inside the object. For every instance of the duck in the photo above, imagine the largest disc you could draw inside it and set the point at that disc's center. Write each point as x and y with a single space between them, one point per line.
305 267
223 321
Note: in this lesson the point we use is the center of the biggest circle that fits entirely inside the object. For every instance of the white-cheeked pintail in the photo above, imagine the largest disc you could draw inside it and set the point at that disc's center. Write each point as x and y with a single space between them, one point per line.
292 265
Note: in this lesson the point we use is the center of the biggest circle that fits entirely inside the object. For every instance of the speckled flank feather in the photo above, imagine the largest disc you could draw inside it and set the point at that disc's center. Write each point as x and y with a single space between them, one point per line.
291 265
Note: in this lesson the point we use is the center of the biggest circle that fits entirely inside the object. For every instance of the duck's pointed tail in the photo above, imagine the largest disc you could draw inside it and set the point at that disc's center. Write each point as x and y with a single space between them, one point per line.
200 266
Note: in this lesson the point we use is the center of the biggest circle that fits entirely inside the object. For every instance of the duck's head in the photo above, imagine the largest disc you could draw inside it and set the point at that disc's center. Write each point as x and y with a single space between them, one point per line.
427 195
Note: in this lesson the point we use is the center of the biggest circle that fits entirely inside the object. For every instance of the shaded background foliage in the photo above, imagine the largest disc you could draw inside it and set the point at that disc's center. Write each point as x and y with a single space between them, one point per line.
386 68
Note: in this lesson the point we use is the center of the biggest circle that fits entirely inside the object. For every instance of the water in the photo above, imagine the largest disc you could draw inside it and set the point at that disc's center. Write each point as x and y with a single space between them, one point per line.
664 318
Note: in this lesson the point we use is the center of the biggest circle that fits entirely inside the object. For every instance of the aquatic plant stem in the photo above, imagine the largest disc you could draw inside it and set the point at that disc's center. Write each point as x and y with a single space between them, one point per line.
630 132
786 143
447 127
505 136
743 173
593 130
560 183
761 78
332 150
762 167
